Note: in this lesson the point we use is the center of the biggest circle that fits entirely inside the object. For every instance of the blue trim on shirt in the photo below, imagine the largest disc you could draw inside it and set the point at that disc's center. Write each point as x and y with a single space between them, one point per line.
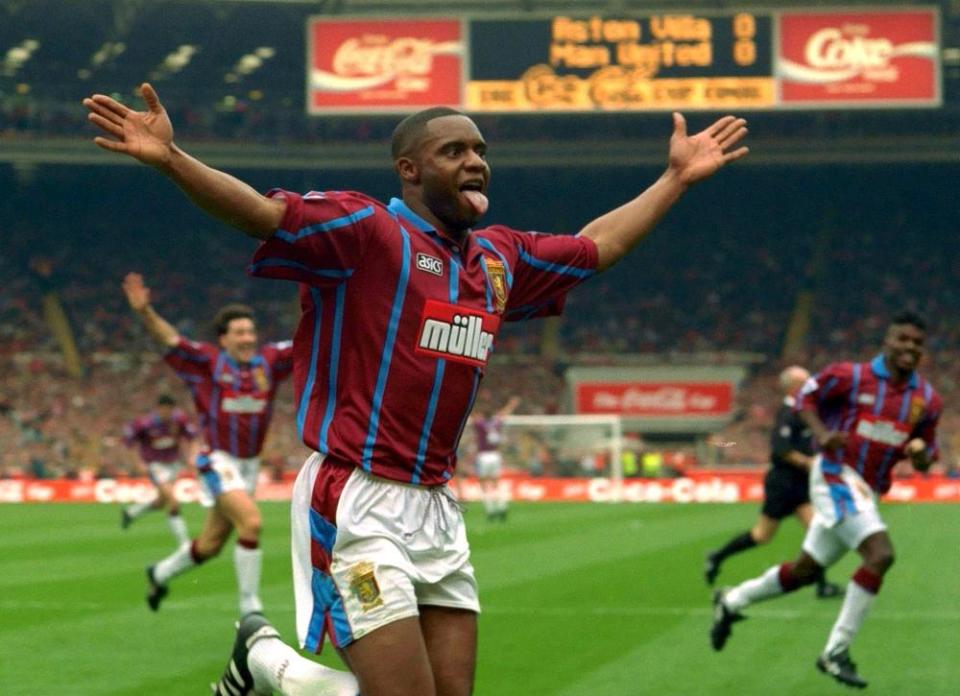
387 355
285 263
398 207
334 369
327 226
554 267
879 367
304 404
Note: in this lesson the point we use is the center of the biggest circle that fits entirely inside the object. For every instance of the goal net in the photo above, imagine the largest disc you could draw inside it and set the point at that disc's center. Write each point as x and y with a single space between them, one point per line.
559 446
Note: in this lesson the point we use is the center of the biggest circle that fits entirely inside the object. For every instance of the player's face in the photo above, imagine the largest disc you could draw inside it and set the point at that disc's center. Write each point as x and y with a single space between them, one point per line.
452 162
164 412
903 346
240 340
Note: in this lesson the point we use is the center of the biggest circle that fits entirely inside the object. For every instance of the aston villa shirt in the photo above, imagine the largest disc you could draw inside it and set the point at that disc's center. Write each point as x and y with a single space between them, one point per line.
234 400
398 323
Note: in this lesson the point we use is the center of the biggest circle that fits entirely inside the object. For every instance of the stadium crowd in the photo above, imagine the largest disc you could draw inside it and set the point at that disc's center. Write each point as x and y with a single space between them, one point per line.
690 289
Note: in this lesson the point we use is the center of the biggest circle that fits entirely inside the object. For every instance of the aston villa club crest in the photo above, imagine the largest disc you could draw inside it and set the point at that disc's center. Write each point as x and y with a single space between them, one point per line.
260 378
916 410
497 275
363 584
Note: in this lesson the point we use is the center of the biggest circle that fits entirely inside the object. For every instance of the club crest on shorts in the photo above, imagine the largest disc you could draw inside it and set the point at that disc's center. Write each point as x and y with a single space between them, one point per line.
363 584
497 274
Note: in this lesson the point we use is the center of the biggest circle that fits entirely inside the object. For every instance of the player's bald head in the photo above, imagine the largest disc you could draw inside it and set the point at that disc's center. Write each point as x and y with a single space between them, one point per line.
792 378
410 132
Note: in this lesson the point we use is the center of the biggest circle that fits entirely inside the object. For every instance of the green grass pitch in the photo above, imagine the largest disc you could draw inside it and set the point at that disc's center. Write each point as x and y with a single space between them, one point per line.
578 600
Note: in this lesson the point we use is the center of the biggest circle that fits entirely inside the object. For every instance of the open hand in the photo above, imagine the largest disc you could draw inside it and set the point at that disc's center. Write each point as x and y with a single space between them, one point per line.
696 157
144 135
138 294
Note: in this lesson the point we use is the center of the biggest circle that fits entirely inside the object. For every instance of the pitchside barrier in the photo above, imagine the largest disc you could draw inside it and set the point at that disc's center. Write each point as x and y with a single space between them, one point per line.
698 486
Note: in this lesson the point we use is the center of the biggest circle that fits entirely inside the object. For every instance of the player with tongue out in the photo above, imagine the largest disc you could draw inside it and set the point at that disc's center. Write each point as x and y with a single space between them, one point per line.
401 307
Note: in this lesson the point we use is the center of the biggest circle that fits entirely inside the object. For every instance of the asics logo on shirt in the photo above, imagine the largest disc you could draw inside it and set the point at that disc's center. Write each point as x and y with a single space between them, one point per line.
457 334
430 264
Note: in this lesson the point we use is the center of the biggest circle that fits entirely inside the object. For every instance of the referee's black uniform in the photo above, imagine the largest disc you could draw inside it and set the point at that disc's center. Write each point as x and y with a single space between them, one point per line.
786 486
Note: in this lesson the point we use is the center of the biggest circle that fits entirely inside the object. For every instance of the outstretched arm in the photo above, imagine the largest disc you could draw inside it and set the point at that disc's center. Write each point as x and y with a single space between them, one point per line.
147 136
138 295
692 158
509 407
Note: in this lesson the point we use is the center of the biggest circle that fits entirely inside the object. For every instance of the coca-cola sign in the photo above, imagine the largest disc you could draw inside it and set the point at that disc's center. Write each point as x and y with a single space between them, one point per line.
656 399
863 58
383 65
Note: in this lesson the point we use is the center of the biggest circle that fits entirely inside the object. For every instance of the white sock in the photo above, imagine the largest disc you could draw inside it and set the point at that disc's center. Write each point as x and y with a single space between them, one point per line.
276 666
856 606
174 564
755 590
247 563
179 528
137 509
489 501
501 497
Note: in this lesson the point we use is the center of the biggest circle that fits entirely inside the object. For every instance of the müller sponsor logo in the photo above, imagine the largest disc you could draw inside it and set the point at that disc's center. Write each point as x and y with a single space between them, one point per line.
373 60
448 331
836 54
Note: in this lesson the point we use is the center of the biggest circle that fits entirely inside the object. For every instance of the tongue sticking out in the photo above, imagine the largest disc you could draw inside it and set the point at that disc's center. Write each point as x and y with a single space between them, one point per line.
477 201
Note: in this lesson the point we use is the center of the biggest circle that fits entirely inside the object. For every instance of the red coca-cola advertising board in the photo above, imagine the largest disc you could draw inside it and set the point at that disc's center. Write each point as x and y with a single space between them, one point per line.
359 66
656 399
872 58
696 486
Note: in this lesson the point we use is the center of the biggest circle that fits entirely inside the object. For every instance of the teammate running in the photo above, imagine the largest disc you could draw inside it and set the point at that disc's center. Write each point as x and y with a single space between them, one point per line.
158 436
865 418
786 487
233 385
401 308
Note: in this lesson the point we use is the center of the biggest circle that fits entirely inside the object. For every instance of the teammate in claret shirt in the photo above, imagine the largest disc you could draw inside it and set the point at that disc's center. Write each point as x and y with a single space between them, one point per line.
233 385
401 306
865 417
786 486
159 436
488 434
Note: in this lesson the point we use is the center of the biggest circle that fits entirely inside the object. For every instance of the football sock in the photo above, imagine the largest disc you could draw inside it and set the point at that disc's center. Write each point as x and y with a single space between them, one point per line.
776 581
861 591
501 498
739 543
137 509
177 562
179 528
247 562
489 501
276 666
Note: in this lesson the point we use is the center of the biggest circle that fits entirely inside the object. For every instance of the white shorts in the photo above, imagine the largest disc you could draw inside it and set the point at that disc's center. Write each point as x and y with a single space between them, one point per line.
163 472
845 512
221 472
393 548
489 465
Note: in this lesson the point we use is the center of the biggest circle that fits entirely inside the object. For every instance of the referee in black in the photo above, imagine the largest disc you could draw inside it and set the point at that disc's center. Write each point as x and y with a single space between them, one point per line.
786 485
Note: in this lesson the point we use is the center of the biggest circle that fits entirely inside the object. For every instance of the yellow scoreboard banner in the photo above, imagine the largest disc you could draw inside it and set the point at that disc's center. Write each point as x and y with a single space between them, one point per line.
669 61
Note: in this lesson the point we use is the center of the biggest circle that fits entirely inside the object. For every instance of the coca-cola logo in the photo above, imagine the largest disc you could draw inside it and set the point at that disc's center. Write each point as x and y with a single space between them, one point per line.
663 399
839 53
374 60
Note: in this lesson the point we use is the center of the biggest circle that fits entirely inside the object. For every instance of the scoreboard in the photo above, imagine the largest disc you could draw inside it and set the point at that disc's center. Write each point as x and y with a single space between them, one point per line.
676 60
671 61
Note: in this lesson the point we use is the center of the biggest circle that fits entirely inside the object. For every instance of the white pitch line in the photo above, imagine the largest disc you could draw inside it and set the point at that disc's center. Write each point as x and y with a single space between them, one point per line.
764 613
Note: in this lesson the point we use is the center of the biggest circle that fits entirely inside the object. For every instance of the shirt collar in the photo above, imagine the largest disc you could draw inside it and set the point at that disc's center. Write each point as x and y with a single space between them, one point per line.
398 207
879 367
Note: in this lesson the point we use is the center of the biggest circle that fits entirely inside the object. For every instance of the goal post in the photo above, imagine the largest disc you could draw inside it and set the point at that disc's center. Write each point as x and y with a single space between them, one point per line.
565 445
